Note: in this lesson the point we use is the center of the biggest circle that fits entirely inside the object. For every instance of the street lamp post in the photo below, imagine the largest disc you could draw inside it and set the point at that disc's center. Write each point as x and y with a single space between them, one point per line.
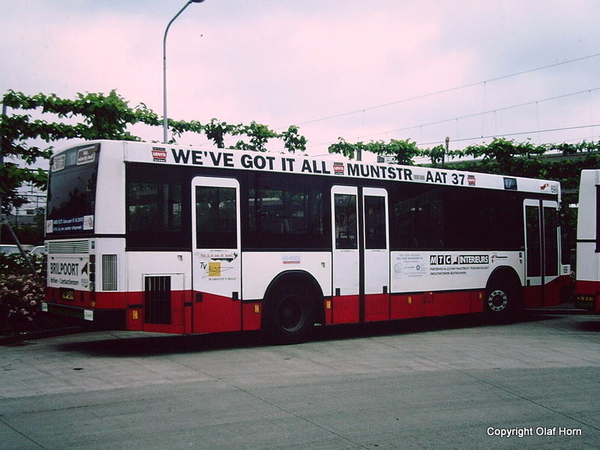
165 120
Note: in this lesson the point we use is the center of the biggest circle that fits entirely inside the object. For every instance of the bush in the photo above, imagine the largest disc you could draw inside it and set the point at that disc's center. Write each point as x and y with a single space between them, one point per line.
21 293
20 300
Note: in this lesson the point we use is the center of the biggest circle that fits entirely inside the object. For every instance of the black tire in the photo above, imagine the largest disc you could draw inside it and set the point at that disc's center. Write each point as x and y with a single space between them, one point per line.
501 298
290 314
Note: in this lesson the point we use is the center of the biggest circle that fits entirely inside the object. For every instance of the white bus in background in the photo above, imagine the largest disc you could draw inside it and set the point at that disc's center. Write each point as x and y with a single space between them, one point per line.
588 241
191 240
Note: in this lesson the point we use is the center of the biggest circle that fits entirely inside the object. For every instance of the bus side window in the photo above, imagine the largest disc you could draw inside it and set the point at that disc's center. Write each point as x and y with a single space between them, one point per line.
216 224
345 221
154 206
375 223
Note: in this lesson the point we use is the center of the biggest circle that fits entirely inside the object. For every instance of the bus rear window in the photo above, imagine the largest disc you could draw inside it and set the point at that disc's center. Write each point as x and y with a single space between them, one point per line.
72 190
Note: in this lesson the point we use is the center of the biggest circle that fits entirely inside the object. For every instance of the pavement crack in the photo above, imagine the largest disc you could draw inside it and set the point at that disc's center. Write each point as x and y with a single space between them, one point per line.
22 434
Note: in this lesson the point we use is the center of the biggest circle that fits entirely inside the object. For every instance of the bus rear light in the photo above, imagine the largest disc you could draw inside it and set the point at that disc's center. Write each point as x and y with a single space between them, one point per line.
92 272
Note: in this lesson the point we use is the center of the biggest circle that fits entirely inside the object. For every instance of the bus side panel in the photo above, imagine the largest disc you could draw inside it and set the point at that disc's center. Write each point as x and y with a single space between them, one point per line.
532 296
215 313
553 293
346 309
377 307
446 303
138 316
588 236
549 294
135 311
428 304
261 268
476 300
328 308
251 316
110 300
407 306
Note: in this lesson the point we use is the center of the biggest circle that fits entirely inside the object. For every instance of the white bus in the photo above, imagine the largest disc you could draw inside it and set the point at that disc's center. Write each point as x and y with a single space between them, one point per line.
188 240
588 241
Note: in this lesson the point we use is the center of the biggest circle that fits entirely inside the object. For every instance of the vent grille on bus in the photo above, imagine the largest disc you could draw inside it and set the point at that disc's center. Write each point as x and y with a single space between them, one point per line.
158 300
109 272
69 247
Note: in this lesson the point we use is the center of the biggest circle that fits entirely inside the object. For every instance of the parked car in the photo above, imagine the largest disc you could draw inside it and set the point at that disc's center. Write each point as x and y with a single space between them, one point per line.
6 249
39 250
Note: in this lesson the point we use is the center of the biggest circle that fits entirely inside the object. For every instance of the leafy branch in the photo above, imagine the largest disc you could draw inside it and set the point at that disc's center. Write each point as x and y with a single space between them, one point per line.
103 116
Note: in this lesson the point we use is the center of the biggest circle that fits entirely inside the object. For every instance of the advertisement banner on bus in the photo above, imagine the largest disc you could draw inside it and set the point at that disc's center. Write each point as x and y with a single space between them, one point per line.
68 272
84 223
414 265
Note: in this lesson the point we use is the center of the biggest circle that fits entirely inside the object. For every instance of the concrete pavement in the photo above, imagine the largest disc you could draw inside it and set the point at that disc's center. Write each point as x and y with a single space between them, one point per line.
433 383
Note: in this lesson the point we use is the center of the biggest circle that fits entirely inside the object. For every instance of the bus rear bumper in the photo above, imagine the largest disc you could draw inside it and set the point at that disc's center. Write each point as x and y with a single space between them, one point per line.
106 319
588 295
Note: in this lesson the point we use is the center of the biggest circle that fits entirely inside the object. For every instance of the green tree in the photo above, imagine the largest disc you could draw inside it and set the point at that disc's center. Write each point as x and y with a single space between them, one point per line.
258 135
101 117
216 131
403 151
292 140
98 116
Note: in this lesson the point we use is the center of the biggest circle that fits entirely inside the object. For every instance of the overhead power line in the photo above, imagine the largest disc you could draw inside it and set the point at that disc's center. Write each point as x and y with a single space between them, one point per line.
491 136
495 110
520 133
445 91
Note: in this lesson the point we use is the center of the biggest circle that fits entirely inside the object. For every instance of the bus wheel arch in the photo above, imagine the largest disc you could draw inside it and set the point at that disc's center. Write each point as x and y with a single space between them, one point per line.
291 306
502 293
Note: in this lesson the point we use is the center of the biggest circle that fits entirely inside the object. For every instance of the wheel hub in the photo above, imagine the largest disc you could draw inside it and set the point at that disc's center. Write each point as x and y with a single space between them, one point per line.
497 301
291 315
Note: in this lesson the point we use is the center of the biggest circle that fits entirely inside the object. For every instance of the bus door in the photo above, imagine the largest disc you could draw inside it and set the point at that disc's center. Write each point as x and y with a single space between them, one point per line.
376 272
541 251
360 254
216 259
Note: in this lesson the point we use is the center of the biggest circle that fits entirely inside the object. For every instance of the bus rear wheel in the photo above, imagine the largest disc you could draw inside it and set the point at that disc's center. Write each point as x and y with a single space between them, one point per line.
290 314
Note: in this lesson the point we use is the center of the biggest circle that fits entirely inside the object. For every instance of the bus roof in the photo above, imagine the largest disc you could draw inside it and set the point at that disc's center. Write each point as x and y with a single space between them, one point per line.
166 154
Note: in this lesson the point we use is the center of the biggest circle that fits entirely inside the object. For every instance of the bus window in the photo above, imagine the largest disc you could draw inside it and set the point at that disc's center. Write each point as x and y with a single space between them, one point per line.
154 206
533 243
215 217
551 241
345 221
284 213
375 223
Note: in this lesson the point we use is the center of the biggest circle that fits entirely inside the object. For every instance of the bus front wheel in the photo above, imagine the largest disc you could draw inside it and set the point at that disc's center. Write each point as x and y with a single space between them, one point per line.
497 301
502 297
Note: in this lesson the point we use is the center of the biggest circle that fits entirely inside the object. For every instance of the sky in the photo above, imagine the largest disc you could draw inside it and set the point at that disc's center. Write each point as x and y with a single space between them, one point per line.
363 70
